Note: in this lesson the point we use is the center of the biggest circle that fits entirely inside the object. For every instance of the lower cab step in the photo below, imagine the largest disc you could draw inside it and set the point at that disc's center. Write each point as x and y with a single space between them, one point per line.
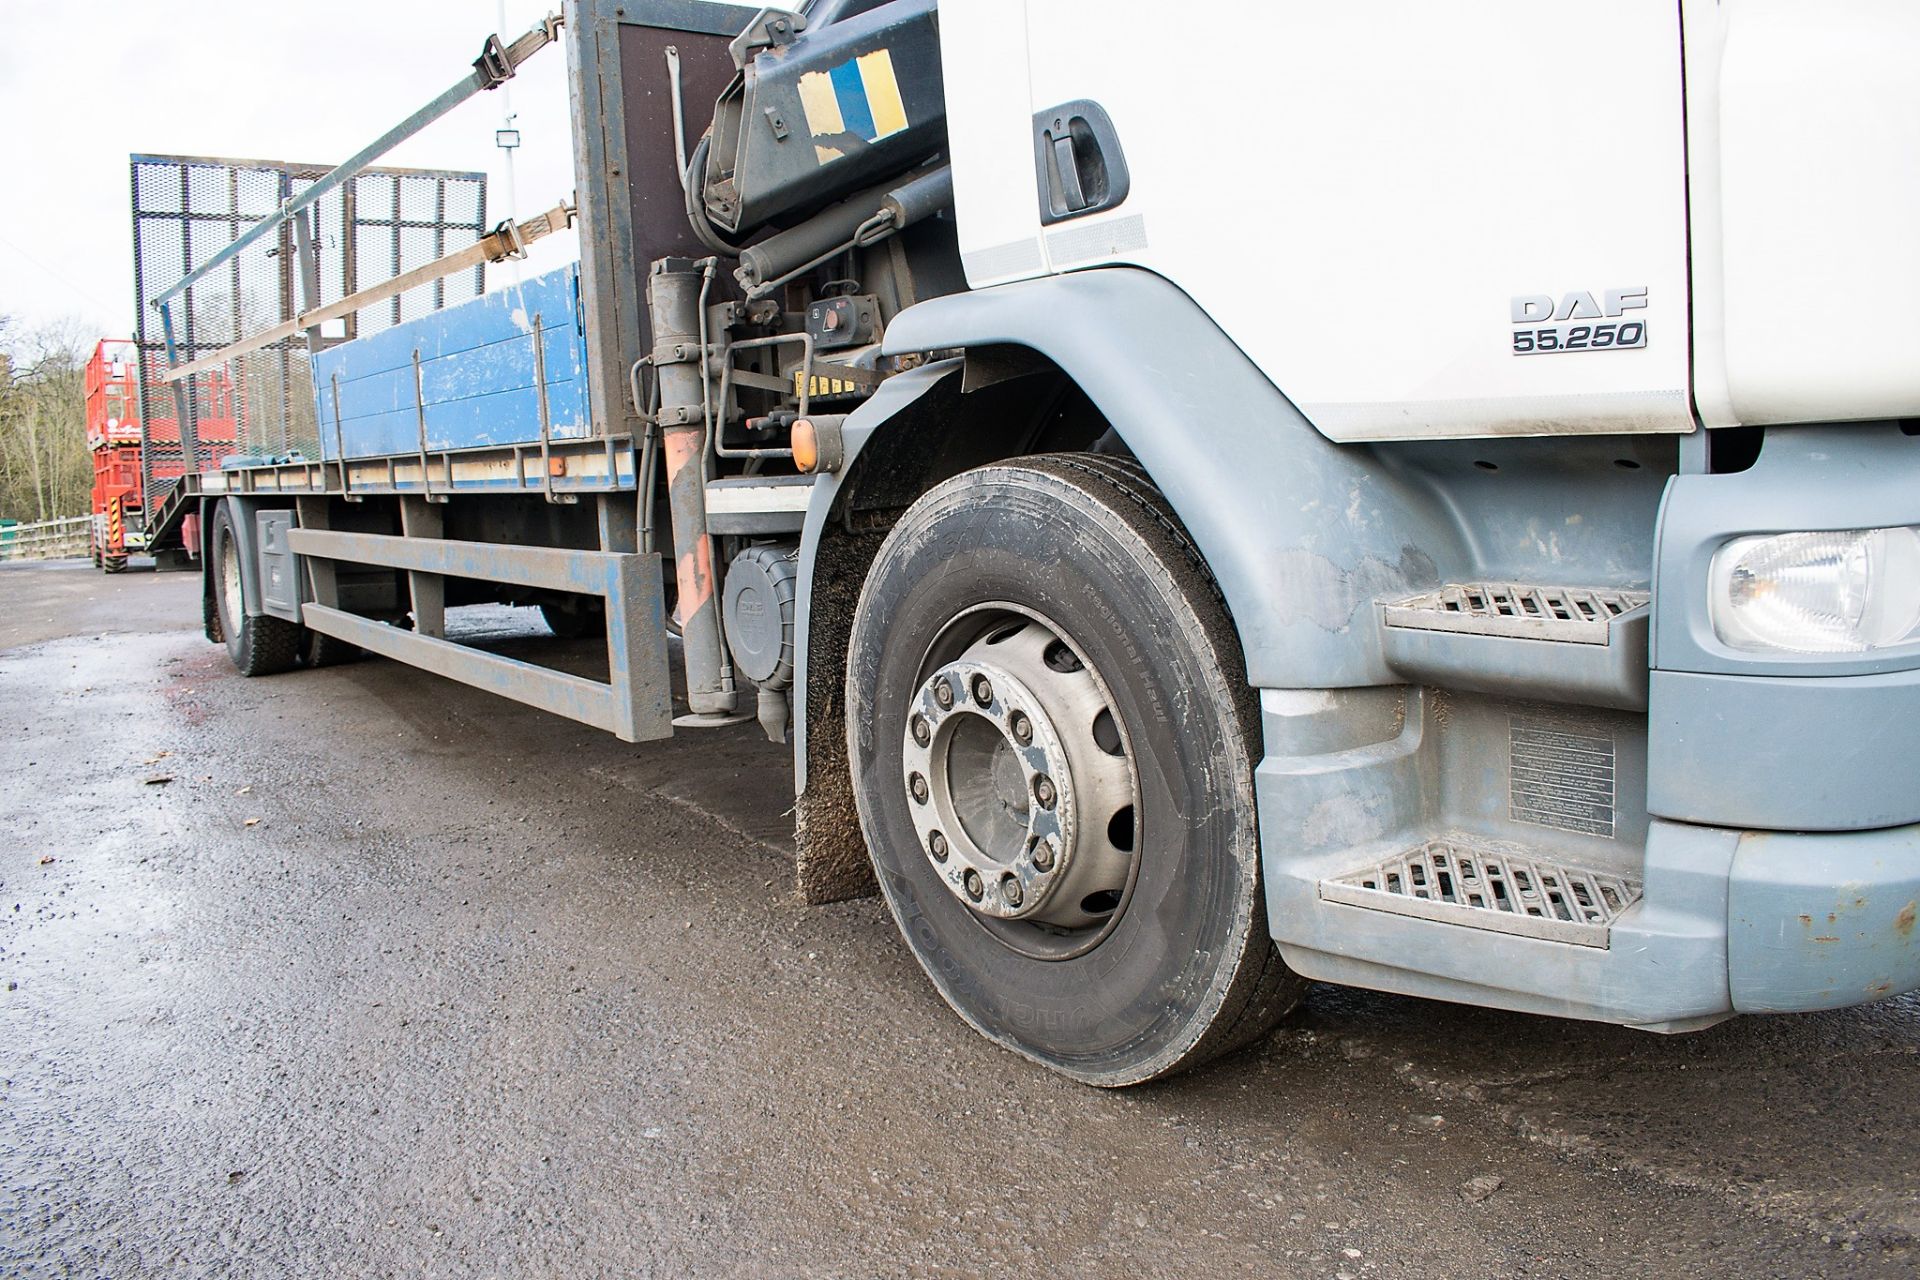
1455 881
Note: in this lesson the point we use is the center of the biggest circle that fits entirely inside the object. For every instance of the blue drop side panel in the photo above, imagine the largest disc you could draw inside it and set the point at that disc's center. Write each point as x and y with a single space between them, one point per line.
476 375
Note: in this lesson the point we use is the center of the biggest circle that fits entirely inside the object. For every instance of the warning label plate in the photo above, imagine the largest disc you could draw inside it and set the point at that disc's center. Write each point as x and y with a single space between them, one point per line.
1560 774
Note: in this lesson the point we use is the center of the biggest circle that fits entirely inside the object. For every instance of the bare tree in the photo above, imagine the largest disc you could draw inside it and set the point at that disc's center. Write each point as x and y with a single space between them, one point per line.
44 468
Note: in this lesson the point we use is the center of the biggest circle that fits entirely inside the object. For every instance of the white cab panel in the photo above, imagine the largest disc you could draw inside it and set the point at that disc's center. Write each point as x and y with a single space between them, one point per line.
1356 192
1805 135
983 47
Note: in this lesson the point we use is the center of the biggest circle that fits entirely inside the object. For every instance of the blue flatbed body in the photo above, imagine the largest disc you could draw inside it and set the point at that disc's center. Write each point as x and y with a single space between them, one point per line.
476 382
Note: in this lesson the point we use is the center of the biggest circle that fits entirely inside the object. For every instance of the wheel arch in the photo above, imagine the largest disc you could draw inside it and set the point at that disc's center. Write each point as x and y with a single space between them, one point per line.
1302 534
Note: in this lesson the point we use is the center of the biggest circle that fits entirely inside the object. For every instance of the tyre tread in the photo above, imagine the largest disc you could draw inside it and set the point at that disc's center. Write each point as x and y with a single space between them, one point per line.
1247 993
1264 990
330 651
268 646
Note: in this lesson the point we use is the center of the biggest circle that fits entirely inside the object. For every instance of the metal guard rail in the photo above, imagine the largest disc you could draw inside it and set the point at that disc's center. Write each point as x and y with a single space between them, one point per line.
496 65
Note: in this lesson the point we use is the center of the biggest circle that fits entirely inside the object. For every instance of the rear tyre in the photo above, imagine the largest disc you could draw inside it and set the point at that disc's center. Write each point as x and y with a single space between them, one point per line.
113 564
1052 748
327 651
577 618
259 646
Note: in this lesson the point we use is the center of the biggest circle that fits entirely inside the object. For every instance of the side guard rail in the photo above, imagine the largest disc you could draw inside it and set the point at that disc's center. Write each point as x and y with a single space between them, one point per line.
633 704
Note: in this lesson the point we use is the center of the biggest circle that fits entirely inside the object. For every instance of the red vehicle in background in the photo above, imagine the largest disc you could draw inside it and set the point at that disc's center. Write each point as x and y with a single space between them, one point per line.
133 468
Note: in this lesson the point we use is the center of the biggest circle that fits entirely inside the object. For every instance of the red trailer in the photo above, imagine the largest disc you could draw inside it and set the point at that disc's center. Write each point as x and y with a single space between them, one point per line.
132 466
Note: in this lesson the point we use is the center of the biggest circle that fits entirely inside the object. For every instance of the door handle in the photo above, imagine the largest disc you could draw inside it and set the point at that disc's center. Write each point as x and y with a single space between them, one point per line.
1066 168
1081 167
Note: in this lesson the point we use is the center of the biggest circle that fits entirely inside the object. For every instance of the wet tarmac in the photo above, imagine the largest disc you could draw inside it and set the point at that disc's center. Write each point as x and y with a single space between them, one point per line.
356 972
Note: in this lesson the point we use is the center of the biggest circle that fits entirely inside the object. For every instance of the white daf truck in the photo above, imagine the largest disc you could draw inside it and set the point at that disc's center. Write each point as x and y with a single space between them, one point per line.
1421 496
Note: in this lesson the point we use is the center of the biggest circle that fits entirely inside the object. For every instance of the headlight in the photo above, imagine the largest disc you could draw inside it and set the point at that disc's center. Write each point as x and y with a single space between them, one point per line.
1843 592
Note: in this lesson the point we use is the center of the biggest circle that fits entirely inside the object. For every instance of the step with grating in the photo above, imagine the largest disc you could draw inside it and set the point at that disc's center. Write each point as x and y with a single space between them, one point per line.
1481 887
1576 615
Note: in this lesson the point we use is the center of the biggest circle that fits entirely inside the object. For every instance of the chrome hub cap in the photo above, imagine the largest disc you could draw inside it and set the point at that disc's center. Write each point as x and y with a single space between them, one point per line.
1018 782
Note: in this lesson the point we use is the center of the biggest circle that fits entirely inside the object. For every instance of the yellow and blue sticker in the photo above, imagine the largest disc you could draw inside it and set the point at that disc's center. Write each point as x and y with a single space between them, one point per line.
860 97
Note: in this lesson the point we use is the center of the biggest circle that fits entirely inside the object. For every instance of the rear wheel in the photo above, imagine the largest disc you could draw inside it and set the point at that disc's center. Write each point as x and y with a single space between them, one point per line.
327 651
259 646
1052 748
576 617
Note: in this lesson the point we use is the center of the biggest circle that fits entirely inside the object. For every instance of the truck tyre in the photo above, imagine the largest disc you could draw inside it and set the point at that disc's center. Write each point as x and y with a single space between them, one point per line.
1052 744
576 618
327 651
259 646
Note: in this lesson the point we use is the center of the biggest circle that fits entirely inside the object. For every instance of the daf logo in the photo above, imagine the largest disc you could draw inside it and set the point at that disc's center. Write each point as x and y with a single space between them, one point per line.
1539 308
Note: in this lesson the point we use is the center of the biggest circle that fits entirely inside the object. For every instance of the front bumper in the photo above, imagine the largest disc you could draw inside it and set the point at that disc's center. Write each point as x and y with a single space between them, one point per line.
1729 922
1784 753
1822 921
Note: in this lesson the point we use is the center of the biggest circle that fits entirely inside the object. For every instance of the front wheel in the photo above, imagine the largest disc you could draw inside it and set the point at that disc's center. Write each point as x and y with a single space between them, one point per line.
1052 746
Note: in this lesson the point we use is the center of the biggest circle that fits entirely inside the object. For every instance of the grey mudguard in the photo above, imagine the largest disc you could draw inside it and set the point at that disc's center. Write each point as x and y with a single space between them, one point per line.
1302 534
894 395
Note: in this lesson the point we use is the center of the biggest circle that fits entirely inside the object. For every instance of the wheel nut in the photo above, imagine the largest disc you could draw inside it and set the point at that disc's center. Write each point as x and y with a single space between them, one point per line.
975 885
1043 856
943 693
1010 890
1022 728
917 785
982 690
922 732
1042 791
937 845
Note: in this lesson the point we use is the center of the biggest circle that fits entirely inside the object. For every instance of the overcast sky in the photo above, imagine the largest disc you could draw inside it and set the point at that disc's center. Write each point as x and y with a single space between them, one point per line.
83 85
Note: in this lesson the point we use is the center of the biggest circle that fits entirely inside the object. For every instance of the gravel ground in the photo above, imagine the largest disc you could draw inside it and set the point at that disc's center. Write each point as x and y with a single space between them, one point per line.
392 978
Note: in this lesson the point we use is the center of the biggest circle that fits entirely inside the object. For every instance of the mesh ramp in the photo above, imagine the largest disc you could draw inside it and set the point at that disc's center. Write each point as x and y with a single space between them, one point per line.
260 405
